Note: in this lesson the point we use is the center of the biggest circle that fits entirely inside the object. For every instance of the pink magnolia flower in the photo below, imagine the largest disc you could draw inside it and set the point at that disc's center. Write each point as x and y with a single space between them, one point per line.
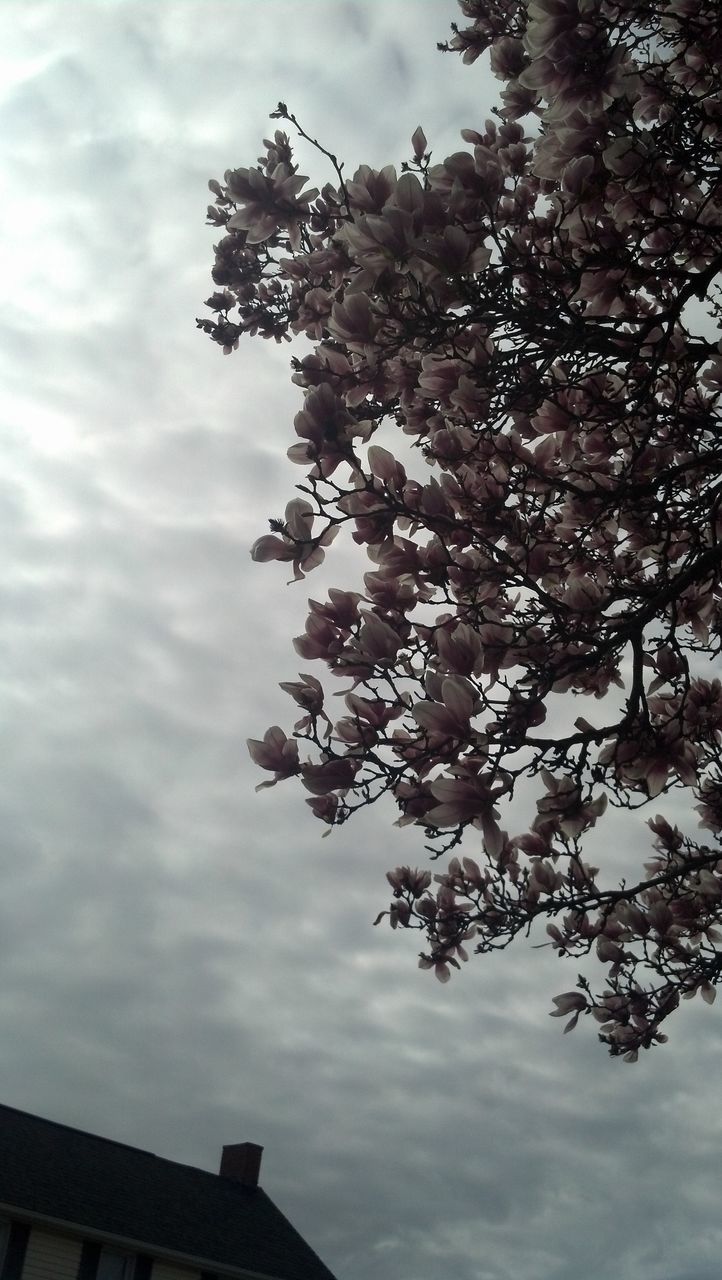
307 693
653 760
324 807
508 58
313 313
275 752
414 800
440 964
341 609
269 202
460 650
328 430
374 517
468 798
330 775
573 1002
384 467
354 323
571 65
583 594
564 807
408 880
321 639
376 715
296 543
377 642
710 793
370 189
450 717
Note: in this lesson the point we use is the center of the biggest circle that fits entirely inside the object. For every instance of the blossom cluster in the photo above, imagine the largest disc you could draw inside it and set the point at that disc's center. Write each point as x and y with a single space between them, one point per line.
538 315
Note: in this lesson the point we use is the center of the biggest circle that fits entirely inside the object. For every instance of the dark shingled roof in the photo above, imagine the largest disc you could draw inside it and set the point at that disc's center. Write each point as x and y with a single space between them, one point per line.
63 1173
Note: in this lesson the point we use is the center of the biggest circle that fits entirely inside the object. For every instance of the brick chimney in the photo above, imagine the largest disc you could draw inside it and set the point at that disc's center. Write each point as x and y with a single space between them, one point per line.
242 1161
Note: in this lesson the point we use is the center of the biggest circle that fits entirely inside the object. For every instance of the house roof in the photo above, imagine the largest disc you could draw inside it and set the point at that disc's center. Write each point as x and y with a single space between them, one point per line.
112 1189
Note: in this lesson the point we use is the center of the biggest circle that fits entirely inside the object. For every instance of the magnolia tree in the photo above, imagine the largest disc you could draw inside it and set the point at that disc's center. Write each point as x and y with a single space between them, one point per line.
537 318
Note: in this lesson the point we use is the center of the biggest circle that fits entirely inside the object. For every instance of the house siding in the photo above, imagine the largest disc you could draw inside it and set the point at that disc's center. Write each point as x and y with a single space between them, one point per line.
51 1257
54 1257
166 1271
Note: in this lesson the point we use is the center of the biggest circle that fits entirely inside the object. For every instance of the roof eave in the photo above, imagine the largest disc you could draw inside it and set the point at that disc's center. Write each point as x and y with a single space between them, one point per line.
137 1246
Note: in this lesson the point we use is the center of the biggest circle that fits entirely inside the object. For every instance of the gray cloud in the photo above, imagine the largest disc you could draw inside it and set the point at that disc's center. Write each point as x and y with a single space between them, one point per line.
187 963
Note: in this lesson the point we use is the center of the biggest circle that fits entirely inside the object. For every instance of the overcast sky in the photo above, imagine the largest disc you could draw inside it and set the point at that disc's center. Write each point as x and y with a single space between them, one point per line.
185 963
